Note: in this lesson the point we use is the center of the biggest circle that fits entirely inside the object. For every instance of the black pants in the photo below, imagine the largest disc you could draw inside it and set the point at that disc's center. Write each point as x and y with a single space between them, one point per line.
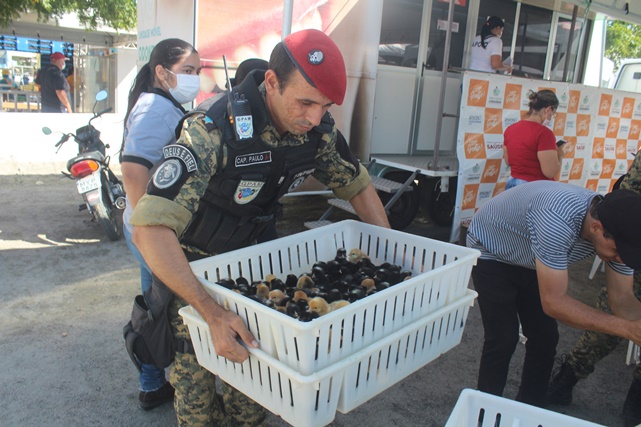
509 294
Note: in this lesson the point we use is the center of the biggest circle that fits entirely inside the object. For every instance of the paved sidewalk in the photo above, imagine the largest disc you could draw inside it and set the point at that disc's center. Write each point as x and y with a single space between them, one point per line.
66 293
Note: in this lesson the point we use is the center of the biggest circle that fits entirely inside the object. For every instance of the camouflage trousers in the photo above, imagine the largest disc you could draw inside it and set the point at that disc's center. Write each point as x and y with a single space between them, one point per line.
594 346
196 401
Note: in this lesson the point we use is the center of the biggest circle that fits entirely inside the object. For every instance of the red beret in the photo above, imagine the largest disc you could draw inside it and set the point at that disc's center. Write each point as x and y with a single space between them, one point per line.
320 61
57 55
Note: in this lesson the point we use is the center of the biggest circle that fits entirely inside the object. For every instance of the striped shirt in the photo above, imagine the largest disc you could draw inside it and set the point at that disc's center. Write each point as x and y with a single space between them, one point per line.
538 220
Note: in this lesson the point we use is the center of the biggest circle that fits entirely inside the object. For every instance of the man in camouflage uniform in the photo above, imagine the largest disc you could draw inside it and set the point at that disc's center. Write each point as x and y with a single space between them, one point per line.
224 195
594 346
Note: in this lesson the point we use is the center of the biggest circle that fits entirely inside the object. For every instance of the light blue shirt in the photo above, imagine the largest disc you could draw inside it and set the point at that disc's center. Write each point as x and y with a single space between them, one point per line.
150 126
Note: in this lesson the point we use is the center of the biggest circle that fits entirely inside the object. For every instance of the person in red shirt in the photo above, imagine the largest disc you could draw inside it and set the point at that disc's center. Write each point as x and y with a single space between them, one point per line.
529 146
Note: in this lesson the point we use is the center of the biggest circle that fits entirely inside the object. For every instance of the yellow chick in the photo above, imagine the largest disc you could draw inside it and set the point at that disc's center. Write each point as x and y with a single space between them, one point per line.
269 278
319 306
276 296
369 285
304 282
355 255
338 304
298 295
262 291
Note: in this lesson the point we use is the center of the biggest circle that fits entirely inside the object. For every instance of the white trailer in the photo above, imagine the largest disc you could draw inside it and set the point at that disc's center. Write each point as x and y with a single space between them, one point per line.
401 112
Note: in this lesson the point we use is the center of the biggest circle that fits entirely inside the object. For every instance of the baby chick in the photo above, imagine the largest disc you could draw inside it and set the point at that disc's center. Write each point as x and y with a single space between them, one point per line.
269 278
319 306
338 304
276 296
304 281
300 295
356 255
262 291
369 285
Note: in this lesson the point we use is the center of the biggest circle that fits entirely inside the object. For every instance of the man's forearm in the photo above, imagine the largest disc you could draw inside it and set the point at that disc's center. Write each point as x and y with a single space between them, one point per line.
62 96
369 208
164 256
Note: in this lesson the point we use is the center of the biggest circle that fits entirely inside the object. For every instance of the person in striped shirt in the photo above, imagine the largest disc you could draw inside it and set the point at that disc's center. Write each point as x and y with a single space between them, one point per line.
527 237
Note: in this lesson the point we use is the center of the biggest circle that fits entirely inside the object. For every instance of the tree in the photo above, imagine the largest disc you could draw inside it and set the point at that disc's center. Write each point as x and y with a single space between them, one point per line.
622 40
118 14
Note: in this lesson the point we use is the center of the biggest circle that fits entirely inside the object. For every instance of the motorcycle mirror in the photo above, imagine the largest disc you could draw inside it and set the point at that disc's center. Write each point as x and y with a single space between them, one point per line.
46 131
102 95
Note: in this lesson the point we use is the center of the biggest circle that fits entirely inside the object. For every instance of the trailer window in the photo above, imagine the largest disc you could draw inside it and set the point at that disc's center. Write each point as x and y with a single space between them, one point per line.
400 32
532 39
438 28
562 47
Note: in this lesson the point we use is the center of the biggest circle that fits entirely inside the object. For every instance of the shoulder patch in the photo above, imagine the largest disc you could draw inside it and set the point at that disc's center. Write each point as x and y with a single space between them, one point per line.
167 174
175 151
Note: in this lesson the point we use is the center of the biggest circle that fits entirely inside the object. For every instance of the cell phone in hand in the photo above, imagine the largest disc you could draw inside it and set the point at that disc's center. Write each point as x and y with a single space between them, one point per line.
560 142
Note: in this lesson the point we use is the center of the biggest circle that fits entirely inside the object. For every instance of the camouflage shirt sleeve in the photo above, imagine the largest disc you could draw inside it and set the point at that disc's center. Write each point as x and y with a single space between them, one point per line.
632 181
172 211
341 175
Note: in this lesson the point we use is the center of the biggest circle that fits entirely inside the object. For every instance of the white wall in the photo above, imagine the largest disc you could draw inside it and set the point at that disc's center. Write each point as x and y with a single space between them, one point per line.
26 150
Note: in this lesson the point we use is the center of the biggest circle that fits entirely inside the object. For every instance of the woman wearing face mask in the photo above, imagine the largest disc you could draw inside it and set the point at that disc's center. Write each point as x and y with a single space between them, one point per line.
529 146
169 79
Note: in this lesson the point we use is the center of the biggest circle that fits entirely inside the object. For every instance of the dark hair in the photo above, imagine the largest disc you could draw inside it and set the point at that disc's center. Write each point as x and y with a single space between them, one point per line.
491 23
166 53
282 65
542 99
595 204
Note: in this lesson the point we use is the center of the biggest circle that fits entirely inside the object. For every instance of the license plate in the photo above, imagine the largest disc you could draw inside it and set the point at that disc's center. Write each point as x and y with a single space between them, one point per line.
88 183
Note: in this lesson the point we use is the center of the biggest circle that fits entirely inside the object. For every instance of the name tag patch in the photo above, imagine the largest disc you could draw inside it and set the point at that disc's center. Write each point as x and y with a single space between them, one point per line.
247 191
183 154
253 159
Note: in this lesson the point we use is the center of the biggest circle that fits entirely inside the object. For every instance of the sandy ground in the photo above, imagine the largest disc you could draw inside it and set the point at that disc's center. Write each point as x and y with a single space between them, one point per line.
66 292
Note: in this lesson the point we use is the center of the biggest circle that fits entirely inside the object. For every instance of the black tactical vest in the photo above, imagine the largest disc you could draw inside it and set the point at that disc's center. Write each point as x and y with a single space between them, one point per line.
239 200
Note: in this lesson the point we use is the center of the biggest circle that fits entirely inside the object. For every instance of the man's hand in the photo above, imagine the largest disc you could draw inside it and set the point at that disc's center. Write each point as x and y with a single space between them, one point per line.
369 208
162 252
635 332
225 328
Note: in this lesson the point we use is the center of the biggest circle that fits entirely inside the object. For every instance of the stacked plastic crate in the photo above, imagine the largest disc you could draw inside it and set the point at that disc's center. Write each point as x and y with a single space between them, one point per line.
305 371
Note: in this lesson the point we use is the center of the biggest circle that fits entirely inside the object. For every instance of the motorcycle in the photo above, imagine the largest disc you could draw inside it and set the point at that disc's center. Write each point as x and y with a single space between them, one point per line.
101 190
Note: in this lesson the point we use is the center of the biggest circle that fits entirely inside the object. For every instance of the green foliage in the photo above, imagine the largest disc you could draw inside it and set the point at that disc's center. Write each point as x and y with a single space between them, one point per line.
622 40
118 14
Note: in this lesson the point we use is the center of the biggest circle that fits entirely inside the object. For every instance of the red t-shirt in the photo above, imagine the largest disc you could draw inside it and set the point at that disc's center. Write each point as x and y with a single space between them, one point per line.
523 140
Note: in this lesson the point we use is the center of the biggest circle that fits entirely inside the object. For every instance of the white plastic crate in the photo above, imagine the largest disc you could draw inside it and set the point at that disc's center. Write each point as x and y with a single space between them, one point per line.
475 408
312 400
441 273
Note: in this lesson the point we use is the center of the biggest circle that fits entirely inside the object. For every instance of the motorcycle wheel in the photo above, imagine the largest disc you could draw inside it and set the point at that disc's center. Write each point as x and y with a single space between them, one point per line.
106 217
403 212
441 205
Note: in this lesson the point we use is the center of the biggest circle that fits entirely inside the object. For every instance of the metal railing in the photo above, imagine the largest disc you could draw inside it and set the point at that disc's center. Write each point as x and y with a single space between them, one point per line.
20 100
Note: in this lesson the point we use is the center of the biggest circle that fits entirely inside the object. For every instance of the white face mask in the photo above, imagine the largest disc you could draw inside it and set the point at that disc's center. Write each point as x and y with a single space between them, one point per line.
187 87
546 122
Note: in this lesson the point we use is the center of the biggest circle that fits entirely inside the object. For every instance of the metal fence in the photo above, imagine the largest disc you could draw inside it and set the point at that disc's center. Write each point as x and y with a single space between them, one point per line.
20 100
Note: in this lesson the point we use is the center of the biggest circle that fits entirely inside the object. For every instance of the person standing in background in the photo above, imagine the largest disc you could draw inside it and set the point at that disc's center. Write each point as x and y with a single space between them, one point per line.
169 79
529 146
54 88
487 48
